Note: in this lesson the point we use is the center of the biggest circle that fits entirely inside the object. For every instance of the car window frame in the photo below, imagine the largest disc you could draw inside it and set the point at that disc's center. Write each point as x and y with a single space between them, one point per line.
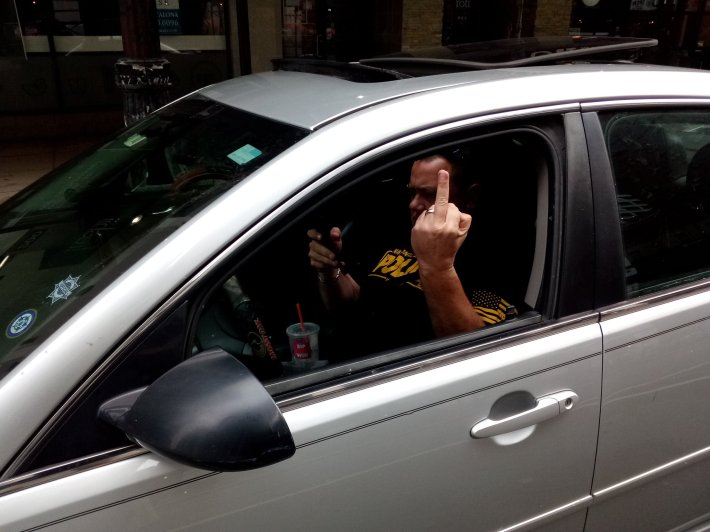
609 248
611 298
325 382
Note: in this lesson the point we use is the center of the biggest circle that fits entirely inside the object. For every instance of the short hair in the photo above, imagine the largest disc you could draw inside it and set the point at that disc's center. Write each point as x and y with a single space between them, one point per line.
460 173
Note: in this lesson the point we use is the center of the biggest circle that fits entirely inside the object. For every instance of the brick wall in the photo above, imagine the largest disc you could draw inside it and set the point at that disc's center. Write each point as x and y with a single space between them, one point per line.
553 17
421 23
422 20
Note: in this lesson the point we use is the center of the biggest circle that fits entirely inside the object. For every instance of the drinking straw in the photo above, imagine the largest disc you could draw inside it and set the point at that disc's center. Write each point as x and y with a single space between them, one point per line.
300 317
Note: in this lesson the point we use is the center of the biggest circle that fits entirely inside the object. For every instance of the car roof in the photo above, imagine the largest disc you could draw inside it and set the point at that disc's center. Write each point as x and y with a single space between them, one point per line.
312 100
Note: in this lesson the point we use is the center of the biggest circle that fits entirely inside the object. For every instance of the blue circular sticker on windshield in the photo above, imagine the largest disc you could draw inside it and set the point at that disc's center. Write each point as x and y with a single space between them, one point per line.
21 323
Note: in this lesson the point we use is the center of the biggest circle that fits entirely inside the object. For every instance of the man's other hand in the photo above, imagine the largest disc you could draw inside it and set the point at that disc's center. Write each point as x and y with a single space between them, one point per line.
325 250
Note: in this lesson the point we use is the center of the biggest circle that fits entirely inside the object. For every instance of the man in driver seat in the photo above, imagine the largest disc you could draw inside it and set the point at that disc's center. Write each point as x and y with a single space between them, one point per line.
425 284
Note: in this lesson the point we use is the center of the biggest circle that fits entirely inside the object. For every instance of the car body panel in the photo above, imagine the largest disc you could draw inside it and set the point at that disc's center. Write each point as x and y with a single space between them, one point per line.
376 454
655 411
677 499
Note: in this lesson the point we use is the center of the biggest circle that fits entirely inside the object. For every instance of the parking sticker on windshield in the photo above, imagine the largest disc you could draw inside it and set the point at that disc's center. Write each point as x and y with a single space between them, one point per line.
133 140
63 289
20 323
244 154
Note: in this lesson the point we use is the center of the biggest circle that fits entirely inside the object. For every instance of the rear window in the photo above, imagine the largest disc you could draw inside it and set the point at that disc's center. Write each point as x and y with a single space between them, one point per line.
80 227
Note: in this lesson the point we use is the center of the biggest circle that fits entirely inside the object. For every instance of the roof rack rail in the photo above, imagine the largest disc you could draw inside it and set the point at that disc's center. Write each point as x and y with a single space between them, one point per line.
348 71
528 52
504 53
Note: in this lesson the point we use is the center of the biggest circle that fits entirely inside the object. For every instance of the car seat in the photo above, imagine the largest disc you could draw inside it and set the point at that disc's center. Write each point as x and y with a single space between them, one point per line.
649 165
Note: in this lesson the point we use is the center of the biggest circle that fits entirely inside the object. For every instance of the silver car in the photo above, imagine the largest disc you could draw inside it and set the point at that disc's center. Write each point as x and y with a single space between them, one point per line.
148 383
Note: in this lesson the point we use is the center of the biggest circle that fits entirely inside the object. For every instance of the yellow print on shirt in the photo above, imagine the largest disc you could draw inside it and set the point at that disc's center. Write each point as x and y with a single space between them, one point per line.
395 264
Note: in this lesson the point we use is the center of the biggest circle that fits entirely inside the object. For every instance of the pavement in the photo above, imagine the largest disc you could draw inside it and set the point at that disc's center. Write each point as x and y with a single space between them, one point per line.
23 162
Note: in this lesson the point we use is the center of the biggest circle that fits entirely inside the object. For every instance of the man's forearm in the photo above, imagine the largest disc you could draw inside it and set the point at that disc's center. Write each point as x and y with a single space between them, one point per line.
338 291
449 308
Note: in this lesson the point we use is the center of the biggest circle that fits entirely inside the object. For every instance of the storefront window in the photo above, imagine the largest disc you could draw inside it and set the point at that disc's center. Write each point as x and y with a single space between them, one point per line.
73 45
10 34
345 30
68 18
299 29
697 5
101 18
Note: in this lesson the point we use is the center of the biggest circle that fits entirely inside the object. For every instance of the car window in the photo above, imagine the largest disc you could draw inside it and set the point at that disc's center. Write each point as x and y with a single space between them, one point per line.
261 311
82 226
661 166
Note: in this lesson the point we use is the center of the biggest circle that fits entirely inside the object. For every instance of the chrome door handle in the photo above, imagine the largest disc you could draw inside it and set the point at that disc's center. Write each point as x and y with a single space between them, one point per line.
547 407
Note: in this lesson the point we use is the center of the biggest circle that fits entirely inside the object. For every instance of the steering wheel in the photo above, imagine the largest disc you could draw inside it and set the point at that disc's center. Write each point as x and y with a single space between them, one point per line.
191 178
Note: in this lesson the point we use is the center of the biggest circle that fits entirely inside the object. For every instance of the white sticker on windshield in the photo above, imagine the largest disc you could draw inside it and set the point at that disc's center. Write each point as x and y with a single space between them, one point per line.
63 289
244 154
21 323
133 140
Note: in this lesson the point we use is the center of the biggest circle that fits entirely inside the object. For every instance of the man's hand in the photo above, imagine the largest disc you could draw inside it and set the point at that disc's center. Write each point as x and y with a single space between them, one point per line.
436 238
438 235
336 289
325 254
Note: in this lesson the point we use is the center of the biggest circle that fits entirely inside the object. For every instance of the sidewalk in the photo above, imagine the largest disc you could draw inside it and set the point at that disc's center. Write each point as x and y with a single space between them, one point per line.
32 144
22 162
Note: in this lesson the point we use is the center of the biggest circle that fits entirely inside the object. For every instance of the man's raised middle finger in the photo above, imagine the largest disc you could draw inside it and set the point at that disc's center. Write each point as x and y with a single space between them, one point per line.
442 196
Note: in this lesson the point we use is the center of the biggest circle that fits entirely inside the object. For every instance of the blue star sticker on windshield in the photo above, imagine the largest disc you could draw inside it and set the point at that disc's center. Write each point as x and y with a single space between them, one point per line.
63 289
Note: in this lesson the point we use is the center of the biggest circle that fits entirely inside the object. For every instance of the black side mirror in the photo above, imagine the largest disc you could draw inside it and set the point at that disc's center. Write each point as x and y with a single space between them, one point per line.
208 412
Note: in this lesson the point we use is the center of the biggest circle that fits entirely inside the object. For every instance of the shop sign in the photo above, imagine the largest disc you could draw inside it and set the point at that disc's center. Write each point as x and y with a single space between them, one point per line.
168 17
644 5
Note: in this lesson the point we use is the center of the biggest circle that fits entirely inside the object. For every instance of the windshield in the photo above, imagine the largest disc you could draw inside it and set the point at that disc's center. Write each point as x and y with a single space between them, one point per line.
77 229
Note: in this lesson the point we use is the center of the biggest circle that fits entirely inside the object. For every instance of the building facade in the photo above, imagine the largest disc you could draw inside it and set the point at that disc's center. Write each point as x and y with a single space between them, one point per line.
59 55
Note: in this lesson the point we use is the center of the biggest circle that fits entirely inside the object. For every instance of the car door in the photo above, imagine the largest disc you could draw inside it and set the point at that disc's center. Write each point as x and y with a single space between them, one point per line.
487 430
654 441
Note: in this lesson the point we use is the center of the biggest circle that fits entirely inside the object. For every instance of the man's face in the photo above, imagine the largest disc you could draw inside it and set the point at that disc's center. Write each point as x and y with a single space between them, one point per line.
422 185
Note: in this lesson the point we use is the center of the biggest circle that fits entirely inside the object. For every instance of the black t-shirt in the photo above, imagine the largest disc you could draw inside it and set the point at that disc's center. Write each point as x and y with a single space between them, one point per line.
392 302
